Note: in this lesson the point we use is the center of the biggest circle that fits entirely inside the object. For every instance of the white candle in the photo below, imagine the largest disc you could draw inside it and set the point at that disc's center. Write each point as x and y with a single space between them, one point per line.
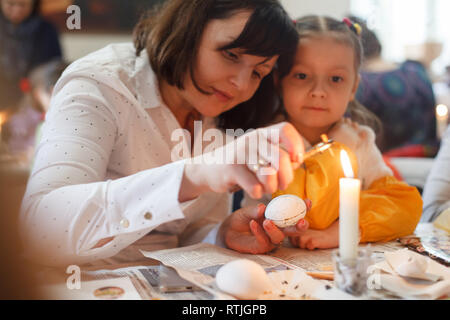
349 190
441 120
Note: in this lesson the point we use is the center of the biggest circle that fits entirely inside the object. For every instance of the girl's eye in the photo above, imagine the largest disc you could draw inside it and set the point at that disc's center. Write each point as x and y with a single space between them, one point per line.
336 79
300 76
230 55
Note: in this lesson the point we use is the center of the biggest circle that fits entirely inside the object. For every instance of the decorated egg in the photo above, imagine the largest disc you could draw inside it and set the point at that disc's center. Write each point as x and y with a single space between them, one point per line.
243 279
285 210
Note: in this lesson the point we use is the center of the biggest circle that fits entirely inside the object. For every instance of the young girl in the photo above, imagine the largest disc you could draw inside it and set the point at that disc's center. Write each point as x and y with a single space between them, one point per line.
317 90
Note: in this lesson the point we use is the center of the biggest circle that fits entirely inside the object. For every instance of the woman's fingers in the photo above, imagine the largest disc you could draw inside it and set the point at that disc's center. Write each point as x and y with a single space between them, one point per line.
308 204
274 233
268 177
290 140
294 241
260 236
248 181
297 230
285 172
253 212
274 158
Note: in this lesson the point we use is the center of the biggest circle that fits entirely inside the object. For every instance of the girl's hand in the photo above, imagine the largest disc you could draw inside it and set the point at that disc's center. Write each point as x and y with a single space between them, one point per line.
318 239
223 169
246 231
347 132
361 140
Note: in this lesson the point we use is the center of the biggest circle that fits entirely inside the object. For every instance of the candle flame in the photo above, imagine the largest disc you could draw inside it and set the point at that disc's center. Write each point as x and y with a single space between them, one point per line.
441 110
324 138
346 164
2 118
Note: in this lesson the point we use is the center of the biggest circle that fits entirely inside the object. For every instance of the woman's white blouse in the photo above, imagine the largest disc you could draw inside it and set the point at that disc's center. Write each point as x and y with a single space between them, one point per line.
103 167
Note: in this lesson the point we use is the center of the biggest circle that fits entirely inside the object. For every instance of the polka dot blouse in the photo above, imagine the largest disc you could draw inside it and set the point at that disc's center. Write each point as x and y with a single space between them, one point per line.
103 167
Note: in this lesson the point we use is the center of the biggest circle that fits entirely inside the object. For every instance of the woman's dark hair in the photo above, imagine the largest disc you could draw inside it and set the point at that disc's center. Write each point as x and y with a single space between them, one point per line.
171 34
316 26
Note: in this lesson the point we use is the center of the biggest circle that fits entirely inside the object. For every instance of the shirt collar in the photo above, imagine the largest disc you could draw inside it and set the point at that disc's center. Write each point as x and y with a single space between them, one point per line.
147 87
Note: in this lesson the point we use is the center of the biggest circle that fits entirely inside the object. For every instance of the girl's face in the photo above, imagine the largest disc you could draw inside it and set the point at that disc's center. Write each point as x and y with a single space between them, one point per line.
17 11
321 83
230 76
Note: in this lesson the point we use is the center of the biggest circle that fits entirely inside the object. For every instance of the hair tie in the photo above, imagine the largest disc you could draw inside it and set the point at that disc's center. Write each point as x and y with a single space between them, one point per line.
25 85
355 27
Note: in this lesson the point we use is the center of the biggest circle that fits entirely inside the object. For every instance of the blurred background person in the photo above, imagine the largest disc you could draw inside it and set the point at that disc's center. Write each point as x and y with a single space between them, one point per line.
21 132
436 193
401 95
26 41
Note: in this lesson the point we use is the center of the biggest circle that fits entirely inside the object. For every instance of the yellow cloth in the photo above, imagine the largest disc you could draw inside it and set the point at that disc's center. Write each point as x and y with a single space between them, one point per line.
389 208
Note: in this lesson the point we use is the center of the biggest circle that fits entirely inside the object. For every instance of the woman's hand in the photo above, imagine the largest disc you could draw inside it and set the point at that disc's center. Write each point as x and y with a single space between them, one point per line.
318 239
279 147
246 230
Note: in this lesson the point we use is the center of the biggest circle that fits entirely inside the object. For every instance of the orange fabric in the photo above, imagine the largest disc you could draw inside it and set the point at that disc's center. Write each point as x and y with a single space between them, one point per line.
389 208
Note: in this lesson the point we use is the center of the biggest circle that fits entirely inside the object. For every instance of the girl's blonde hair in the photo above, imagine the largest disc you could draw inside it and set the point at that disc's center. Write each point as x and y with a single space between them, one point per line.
316 26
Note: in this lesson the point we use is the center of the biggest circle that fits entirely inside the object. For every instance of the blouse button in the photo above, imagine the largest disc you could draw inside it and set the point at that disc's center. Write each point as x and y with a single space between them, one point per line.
148 215
125 223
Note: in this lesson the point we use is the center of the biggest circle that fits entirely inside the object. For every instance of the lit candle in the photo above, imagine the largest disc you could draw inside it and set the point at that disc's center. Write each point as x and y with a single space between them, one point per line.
349 189
441 120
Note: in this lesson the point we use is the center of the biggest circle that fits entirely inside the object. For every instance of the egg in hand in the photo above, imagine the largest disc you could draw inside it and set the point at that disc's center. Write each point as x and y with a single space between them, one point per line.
285 210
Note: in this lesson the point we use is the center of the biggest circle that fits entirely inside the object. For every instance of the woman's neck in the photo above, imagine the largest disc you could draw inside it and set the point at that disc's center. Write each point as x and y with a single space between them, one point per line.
177 105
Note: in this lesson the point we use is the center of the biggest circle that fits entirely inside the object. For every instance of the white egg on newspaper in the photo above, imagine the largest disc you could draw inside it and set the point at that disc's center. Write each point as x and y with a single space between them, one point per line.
243 279
285 210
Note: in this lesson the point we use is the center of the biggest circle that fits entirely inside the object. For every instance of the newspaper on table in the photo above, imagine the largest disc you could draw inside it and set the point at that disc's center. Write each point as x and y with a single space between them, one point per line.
199 263
146 282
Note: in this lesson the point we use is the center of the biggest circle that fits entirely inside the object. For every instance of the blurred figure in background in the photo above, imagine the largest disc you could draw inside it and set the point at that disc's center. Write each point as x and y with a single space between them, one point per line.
26 41
401 95
436 193
21 132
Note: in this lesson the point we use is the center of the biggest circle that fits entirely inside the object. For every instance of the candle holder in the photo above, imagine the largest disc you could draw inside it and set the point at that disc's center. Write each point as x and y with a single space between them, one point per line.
350 275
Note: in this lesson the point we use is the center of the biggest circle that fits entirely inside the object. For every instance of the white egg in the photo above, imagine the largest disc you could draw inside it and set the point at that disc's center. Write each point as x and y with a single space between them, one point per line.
285 210
244 279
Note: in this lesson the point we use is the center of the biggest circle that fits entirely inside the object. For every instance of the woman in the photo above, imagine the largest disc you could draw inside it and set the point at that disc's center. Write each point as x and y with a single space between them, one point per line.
104 174
26 41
